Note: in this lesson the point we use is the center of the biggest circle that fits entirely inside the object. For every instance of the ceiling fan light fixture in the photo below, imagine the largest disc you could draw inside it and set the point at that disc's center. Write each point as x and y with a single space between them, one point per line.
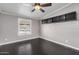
37 7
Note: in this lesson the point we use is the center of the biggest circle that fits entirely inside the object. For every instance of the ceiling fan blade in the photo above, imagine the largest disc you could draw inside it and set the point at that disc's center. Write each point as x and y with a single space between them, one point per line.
42 10
37 4
33 10
46 5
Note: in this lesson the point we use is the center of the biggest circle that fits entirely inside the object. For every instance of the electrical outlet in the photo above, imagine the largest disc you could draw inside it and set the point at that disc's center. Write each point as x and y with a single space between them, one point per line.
66 41
6 39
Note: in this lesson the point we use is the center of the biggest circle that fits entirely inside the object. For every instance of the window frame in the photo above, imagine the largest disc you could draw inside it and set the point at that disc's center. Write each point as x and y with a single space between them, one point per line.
19 32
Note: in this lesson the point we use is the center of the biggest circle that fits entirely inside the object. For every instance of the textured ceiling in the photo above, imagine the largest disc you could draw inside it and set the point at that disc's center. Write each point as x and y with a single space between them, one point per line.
24 9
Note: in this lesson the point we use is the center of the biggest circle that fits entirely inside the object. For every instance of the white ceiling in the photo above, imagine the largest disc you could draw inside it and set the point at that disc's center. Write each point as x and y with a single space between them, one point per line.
24 9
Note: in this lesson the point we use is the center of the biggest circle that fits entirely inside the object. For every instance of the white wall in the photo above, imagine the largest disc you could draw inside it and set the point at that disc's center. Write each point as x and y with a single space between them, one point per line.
9 30
66 33
70 8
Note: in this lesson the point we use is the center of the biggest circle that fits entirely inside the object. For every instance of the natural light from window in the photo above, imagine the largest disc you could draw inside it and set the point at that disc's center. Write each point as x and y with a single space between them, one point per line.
24 26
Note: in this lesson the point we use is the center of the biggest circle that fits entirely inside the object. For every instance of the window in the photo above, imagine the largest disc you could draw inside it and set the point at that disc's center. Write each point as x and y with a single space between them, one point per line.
24 26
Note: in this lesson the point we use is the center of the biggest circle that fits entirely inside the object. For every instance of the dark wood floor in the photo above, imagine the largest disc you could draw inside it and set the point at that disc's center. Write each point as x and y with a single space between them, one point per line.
36 47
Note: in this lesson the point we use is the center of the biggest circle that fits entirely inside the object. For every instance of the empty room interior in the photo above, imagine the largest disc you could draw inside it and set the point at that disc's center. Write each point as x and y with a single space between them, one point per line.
39 28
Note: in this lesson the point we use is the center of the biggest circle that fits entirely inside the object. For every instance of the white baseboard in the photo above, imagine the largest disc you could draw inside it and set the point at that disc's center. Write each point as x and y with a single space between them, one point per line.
66 45
42 38
17 41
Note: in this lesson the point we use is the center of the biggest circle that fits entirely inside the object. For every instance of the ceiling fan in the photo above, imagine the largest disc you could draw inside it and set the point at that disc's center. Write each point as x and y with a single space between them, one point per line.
38 6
